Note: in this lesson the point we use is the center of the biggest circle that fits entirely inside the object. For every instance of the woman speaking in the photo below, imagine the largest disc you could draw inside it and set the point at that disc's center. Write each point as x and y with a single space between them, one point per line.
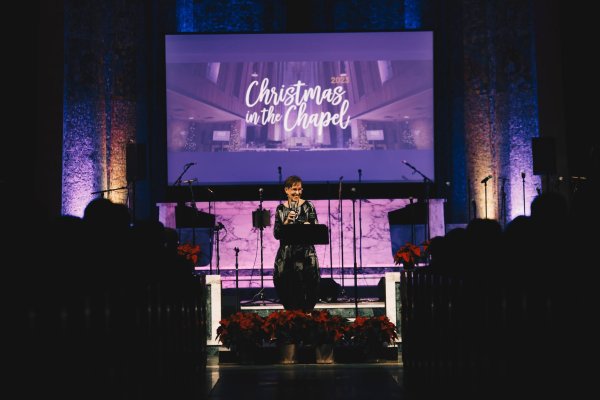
296 275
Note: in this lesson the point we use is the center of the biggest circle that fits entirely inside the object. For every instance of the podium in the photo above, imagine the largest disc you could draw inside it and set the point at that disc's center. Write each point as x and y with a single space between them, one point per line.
304 234
200 226
409 223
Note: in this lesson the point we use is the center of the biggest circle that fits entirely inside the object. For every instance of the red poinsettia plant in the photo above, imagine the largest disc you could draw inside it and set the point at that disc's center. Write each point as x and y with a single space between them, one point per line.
372 331
326 328
409 254
288 326
241 329
189 252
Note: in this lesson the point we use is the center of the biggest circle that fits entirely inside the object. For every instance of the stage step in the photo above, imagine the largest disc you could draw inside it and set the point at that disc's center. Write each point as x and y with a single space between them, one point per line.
306 355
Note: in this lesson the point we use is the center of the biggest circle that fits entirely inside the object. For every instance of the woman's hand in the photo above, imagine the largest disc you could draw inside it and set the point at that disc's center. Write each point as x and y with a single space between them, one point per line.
290 218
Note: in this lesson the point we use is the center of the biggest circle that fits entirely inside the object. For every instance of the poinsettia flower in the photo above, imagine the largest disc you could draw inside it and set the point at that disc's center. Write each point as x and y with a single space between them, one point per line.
190 252
409 254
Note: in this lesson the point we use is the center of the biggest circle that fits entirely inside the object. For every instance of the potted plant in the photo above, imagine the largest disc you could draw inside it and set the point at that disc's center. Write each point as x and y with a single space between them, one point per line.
189 252
243 333
409 254
326 330
288 329
373 334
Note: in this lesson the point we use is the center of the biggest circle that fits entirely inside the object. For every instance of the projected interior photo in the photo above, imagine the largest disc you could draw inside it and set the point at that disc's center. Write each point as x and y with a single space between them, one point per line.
240 106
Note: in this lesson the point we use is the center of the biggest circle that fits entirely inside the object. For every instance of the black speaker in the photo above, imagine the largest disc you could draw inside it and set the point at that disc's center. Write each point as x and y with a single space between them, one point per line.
261 220
544 155
135 155
329 290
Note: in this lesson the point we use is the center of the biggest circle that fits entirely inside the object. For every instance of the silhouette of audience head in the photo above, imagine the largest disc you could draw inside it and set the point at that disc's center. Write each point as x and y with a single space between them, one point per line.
549 206
97 211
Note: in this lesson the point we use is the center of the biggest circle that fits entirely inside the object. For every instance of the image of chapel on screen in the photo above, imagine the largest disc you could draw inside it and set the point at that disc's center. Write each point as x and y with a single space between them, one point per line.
285 105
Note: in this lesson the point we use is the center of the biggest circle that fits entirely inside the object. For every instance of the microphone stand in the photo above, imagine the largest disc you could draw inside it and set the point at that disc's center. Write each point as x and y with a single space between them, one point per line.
340 211
329 229
360 235
413 218
523 179
426 181
185 168
260 208
237 292
354 251
503 194
110 190
485 196
196 211
469 199
218 233
257 222
211 234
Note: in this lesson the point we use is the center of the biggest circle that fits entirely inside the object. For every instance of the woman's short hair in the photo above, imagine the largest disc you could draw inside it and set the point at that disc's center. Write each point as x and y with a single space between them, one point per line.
291 181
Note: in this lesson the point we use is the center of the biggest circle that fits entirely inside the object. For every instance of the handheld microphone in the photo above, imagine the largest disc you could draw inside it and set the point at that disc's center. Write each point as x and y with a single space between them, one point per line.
487 178
190 164
191 180
294 208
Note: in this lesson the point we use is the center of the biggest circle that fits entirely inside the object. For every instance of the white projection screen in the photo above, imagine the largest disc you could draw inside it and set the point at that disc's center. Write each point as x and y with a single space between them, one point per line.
320 105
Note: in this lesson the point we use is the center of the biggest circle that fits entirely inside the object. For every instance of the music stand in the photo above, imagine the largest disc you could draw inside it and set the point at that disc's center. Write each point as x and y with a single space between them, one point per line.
304 234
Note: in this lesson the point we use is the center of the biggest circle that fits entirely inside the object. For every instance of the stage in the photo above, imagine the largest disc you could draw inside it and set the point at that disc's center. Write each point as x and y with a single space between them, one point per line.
222 302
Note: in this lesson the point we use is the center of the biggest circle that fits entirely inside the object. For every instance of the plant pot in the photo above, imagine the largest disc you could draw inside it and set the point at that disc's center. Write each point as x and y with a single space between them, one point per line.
247 354
324 354
375 353
288 353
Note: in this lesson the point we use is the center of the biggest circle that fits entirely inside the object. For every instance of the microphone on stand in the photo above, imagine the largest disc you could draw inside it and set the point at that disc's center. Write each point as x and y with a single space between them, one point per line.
487 178
190 180
407 163
523 175
190 164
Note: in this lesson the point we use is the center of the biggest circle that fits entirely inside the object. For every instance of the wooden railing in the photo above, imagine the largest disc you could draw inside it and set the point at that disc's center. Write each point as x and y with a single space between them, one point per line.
146 340
486 334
